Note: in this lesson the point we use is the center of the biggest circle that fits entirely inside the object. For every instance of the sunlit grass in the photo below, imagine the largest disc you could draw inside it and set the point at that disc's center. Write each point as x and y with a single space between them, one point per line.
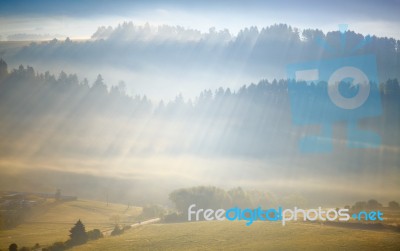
236 236
54 223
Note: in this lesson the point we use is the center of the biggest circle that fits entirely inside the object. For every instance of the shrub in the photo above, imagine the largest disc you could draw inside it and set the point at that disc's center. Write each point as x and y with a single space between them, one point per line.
94 234
57 246
117 231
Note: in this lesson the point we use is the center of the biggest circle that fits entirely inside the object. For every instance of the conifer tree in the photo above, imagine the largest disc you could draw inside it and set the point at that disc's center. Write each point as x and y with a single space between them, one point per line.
78 234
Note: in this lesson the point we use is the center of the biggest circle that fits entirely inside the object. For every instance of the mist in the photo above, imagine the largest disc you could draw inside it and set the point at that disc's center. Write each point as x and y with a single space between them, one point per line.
62 132
161 61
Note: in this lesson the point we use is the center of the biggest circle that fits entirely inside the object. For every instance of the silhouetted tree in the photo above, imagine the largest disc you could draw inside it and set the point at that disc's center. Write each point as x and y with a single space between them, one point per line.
373 204
13 247
3 68
78 234
239 197
57 196
359 205
99 87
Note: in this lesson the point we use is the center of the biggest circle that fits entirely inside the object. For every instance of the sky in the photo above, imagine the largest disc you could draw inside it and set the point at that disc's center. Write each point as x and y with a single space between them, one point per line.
80 19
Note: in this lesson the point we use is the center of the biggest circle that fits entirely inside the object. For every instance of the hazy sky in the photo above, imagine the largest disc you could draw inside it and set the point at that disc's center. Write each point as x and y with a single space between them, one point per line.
80 19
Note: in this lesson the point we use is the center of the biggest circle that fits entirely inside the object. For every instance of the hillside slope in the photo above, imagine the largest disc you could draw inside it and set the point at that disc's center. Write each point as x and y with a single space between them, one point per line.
236 236
53 222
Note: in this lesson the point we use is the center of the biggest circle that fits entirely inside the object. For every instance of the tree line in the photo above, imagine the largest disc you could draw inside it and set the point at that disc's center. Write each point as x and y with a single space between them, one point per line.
261 48
67 90
244 120
210 197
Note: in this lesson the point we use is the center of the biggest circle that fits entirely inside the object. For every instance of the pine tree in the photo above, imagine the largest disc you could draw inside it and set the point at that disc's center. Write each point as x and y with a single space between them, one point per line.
78 234
3 68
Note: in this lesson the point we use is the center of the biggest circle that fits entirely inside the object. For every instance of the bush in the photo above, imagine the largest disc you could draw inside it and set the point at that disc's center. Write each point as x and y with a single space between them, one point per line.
13 247
117 231
94 234
57 246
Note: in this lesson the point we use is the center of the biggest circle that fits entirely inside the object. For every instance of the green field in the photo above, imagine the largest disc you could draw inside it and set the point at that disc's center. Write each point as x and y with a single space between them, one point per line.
227 235
54 220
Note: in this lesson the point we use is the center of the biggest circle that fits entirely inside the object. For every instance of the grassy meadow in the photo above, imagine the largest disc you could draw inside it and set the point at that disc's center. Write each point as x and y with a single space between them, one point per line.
52 221
227 235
